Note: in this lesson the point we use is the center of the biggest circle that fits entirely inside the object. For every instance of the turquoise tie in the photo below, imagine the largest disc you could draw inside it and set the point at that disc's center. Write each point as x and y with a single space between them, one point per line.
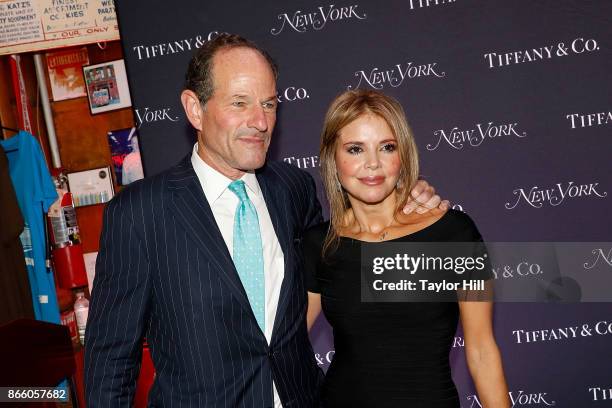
248 252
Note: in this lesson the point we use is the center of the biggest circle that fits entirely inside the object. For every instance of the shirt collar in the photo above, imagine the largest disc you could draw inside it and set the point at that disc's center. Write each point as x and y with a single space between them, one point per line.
214 183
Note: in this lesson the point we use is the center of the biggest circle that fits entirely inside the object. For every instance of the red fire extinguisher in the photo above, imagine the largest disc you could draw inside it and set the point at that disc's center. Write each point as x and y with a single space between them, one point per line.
67 251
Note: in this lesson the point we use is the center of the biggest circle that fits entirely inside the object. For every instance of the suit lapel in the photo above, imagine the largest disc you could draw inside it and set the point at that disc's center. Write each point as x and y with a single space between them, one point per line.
278 215
192 210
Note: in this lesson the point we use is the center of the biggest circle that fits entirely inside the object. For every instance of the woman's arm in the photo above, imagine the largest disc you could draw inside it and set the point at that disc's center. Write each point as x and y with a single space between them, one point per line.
482 354
314 308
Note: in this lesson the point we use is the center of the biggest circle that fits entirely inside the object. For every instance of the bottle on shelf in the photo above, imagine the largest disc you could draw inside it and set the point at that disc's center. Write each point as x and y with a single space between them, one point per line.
81 309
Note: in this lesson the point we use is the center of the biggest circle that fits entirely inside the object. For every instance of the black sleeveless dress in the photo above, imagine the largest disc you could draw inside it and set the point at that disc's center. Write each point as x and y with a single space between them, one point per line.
386 354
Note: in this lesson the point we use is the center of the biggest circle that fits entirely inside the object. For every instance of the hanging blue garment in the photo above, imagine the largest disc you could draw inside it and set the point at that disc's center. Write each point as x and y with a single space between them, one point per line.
35 193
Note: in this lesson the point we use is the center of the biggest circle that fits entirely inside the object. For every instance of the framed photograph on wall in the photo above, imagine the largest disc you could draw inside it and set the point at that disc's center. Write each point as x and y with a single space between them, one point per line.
125 155
107 86
65 69
91 187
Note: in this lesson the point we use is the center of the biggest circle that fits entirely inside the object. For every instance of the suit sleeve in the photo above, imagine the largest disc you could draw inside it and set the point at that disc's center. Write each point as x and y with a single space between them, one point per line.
118 314
313 215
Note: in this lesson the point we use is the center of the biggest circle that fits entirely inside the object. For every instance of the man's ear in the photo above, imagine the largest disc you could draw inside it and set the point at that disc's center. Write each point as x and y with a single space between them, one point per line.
193 108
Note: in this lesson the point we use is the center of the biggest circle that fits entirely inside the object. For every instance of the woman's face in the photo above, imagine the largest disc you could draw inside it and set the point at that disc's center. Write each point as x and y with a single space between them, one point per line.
367 159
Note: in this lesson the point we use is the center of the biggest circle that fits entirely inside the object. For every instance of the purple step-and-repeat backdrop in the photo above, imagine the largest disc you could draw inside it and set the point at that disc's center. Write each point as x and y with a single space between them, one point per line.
511 105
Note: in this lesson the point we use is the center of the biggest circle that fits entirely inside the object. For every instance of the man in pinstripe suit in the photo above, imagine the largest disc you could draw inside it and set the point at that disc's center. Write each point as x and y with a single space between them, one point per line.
166 269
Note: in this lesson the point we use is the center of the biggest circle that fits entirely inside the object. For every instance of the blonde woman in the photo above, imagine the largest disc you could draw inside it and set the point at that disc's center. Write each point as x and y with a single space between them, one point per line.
387 354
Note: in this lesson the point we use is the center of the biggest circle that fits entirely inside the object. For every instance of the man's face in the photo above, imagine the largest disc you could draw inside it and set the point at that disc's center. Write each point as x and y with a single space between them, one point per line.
237 121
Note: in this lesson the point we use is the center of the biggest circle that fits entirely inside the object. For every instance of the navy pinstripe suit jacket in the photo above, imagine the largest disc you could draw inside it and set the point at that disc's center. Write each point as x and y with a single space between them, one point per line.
164 272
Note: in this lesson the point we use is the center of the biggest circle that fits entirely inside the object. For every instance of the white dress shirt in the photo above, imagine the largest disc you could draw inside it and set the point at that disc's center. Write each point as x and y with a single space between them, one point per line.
223 204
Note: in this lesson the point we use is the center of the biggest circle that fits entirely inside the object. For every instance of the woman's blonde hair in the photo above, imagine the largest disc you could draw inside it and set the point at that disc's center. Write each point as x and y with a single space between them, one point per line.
343 110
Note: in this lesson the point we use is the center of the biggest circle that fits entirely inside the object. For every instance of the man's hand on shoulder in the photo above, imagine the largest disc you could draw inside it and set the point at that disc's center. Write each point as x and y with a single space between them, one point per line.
424 198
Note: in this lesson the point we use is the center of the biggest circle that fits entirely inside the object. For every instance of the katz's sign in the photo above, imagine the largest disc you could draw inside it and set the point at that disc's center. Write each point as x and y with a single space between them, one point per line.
33 25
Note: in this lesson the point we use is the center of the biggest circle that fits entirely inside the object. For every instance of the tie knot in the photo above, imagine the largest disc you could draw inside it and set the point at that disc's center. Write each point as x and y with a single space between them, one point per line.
237 187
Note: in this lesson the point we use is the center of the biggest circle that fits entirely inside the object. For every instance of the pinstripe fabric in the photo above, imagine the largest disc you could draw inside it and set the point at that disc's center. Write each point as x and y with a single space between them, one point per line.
164 272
